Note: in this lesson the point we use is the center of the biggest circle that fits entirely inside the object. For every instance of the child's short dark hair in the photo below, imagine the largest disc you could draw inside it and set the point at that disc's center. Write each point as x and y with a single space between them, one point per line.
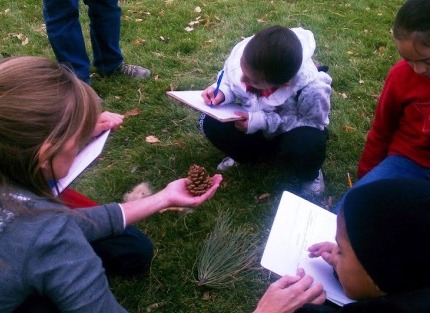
276 53
413 17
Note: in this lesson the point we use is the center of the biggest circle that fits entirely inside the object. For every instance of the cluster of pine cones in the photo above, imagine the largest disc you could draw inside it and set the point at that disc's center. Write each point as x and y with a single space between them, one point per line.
198 180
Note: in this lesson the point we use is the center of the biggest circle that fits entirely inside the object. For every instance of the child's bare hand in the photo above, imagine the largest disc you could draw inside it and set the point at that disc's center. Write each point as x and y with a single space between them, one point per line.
108 120
209 97
322 249
242 125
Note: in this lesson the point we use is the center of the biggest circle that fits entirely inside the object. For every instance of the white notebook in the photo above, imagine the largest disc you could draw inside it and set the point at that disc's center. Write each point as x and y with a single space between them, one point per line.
223 112
297 225
85 157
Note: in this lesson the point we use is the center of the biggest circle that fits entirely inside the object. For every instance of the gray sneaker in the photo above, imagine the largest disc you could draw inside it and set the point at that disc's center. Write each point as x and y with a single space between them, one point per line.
313 188
226 163
135 71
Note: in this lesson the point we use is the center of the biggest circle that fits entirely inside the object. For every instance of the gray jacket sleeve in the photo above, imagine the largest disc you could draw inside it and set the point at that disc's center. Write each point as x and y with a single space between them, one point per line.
100 221
95 222
62 266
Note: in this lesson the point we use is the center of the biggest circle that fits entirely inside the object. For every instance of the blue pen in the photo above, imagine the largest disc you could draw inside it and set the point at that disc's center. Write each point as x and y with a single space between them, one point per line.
217 84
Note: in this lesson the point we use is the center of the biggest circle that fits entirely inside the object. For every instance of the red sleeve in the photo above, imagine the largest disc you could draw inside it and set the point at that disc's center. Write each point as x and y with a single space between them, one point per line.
74 199
386 120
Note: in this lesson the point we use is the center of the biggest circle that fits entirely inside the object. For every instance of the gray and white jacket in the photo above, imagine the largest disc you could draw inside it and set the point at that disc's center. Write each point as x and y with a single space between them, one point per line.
306 102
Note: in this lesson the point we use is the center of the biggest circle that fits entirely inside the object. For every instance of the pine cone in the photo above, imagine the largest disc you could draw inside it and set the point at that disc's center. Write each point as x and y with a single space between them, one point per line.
198 180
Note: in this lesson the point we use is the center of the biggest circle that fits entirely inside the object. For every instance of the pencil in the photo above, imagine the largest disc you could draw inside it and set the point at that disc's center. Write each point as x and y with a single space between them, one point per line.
349 180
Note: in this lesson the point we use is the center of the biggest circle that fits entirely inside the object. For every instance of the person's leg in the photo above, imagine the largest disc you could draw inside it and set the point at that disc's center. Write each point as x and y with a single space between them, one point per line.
239 146
393 166
127 254
65 35
105 25
302 151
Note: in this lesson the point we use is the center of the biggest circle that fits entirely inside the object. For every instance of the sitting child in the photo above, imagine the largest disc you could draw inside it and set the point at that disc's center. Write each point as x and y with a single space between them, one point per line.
382 230
287 100
398 141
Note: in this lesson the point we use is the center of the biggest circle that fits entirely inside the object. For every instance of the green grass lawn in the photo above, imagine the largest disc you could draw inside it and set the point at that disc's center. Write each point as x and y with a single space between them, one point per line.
353 38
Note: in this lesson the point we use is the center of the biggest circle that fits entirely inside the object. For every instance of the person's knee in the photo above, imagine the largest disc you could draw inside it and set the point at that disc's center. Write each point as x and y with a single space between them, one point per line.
127 254
304 143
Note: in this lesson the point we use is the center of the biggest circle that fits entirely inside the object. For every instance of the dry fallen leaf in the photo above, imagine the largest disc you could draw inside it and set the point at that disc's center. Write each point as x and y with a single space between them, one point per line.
189 29
343 95
173 208
152 139
262 197
154 306
132 112
139 42
180 144
198 9
206 296
348 128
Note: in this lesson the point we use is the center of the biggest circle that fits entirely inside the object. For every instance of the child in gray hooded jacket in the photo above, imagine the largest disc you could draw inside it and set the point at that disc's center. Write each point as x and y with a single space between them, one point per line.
287 103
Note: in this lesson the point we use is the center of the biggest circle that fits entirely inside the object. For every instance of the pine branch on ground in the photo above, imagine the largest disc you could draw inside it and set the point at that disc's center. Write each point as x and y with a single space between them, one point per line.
227 253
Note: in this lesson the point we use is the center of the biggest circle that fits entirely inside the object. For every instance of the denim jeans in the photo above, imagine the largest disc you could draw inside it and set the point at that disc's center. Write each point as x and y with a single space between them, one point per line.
393 166
67 40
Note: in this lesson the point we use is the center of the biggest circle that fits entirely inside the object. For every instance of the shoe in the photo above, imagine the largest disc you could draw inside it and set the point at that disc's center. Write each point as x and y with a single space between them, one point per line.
313 188
226 163
135 71
321 67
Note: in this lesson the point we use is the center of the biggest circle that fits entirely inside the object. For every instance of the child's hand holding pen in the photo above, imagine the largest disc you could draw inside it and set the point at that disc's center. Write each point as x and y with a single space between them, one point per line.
213 96
210 98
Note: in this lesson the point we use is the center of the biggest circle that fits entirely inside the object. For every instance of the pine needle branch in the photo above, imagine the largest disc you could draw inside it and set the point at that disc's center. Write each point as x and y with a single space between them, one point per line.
227 253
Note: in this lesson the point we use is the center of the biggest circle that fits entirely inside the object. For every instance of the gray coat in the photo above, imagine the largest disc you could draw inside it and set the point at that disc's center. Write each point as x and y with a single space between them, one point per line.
49 253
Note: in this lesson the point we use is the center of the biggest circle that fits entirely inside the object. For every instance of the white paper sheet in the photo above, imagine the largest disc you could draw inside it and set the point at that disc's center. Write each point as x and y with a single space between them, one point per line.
297 225
85 157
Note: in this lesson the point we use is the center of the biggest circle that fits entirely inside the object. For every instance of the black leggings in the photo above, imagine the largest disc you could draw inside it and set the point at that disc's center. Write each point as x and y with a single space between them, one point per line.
301 151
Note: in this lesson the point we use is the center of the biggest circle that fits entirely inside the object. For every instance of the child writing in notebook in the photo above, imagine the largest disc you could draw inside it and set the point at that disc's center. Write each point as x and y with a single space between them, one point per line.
287 103
398 143
382 230
46 115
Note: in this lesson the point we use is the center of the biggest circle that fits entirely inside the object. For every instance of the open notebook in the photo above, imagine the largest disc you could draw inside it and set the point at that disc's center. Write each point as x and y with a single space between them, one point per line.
84 158
223 112
297 225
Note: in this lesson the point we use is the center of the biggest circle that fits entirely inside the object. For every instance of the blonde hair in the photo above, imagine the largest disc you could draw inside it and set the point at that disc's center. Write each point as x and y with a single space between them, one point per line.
41 102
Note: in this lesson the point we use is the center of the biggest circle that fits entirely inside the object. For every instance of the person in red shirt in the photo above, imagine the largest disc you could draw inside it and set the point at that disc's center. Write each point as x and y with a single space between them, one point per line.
398 143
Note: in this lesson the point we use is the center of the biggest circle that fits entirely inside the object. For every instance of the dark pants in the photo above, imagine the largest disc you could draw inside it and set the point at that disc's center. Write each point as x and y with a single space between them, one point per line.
301 151
127 254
